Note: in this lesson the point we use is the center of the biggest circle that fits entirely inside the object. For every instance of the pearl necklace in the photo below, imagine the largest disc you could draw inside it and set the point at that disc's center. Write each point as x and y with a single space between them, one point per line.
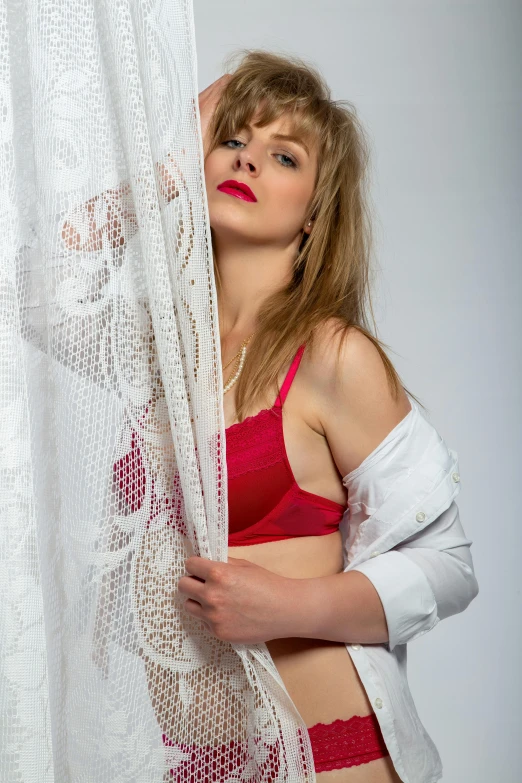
231 381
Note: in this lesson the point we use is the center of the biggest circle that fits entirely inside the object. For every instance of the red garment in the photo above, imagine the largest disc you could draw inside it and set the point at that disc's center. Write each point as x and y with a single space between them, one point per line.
265 502
347 743
336 745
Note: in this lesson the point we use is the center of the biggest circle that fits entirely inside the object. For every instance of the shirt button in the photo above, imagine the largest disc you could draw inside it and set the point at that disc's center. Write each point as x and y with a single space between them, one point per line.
356 646
374 554
421 516
378 703
455 477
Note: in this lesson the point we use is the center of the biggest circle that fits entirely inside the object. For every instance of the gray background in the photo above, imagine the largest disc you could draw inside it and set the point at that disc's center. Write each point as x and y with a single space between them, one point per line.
438 87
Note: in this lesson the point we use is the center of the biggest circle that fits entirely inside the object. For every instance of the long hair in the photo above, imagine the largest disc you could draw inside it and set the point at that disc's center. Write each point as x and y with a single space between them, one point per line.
332 271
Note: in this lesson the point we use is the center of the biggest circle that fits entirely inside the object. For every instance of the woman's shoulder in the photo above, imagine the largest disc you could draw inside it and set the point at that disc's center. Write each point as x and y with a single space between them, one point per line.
343 354
335 334
354 399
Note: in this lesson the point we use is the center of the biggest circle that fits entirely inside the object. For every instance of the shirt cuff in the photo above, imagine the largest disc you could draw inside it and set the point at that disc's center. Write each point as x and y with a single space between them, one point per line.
407 598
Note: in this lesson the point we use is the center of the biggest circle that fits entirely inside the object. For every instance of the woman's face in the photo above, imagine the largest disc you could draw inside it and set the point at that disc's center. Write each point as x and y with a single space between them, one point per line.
281 174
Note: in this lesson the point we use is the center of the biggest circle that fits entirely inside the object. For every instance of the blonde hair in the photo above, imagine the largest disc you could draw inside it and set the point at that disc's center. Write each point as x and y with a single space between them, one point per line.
331 272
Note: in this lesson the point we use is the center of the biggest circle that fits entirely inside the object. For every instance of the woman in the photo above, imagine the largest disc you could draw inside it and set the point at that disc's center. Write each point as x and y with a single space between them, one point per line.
284 169
317 420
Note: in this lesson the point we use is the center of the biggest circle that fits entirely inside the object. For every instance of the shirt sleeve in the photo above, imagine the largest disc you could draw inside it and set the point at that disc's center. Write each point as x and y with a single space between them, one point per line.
428 576
424 580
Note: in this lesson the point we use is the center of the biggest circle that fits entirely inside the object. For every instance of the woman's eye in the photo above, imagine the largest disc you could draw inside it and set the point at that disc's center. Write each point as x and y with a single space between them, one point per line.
233 140
287 165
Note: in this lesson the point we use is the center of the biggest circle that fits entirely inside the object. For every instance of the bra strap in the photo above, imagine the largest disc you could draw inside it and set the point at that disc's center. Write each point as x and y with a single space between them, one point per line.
285 388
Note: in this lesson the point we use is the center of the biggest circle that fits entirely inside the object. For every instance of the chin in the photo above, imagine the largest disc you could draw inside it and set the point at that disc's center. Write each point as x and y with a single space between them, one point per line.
226 227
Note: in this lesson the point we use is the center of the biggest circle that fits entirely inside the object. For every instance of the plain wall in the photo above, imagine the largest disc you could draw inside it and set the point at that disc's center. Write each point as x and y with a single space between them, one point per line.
438 87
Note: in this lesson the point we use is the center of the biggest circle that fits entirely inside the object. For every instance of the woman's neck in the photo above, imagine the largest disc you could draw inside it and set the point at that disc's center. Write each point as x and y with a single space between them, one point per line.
247 279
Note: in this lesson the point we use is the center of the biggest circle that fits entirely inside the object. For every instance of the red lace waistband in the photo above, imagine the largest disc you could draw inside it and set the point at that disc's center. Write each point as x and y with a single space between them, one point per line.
346 743
342 743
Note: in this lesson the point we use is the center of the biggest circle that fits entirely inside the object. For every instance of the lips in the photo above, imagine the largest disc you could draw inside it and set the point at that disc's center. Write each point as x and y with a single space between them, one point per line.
237 189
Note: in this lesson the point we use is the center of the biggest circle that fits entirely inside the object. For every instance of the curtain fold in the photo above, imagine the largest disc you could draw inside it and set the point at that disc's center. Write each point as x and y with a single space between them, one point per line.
112 455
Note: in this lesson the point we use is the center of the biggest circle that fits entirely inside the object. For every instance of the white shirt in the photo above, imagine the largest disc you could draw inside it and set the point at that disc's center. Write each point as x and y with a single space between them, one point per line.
402 530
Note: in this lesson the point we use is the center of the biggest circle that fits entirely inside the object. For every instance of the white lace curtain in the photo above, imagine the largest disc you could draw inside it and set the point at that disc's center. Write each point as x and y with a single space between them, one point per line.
112 448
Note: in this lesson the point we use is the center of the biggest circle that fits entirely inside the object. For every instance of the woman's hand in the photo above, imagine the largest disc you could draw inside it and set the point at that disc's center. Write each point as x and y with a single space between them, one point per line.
239 601
208 100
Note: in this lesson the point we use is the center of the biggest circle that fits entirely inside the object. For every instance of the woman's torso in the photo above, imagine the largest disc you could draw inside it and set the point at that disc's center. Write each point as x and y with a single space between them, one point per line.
318 674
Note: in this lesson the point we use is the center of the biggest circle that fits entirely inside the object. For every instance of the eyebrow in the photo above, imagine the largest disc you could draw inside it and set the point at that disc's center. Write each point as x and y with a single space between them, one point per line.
295 139
283 137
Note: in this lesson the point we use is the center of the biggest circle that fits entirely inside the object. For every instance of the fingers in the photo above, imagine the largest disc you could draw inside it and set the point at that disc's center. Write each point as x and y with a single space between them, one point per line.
208 100
192 588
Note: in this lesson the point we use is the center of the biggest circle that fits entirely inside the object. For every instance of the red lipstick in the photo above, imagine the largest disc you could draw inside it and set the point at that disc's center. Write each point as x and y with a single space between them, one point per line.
237 189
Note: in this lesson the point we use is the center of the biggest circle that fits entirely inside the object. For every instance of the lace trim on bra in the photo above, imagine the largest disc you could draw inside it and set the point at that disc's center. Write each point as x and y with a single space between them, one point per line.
245 452
255 454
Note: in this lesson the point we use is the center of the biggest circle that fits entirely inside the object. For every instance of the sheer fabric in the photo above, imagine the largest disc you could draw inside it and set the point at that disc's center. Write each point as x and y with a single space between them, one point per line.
111 414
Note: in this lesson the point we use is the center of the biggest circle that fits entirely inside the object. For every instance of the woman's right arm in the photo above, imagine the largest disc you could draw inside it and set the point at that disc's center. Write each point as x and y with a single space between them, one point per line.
64 297
111 214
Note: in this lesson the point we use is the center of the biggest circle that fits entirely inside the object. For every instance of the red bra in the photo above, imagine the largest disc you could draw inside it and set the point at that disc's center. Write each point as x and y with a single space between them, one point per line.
265 503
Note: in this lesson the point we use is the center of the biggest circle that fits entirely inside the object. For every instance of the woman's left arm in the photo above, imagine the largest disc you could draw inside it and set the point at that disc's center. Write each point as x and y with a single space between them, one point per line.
398 596
402 593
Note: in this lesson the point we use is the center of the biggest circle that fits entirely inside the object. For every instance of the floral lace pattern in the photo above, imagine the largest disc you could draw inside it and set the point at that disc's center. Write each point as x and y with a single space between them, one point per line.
112 464
336 745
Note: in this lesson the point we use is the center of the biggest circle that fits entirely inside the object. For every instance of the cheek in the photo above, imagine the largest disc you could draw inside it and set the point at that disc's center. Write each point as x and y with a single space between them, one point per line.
290 198
208 170
213 166
212 179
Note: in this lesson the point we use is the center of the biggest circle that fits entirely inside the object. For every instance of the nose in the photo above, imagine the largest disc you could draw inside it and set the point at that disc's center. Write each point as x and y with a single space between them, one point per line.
244 161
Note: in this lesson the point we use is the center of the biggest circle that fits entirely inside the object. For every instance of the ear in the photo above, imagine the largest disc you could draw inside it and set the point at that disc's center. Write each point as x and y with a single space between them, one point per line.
308 225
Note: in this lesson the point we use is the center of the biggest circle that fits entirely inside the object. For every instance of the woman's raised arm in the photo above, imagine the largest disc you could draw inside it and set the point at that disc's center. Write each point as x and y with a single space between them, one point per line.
71 293
111 213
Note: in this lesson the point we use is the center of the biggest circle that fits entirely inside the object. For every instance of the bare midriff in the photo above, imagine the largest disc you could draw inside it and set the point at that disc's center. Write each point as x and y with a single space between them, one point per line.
319 675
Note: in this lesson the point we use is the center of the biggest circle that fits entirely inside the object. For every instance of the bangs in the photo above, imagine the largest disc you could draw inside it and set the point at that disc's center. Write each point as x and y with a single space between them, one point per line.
303 122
